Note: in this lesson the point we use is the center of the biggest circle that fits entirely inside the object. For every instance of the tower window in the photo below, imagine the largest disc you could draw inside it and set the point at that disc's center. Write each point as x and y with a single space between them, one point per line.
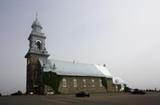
39 45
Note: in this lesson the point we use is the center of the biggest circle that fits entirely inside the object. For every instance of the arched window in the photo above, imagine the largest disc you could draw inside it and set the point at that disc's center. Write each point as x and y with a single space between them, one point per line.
64 82
93 85
74 83
39 45
84 83
100 83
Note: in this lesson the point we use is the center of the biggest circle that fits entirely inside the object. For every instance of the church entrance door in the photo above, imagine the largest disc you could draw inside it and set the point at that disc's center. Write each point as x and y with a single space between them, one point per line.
35 89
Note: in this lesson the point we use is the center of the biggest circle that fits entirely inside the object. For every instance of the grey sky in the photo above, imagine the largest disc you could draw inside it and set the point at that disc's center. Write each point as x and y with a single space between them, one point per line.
123 34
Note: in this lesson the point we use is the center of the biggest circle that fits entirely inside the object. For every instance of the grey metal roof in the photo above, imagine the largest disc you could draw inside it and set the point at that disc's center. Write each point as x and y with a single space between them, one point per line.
118 80
75 69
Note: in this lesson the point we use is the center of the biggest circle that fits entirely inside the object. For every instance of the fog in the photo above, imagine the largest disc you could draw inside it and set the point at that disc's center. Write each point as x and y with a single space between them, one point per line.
123 34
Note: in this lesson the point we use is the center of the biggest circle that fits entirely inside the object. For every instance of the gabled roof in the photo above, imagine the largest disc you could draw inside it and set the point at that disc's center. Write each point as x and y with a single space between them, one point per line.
76 69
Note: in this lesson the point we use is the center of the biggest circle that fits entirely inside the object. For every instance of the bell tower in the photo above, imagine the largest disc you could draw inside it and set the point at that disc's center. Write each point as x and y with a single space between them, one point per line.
37 50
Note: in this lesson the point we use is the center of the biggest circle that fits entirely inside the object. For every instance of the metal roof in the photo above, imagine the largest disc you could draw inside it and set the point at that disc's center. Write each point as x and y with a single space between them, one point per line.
75 69
118 80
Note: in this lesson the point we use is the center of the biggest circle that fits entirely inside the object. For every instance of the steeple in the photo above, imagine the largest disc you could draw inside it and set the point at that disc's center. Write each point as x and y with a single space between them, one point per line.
36 26
37 51
37 39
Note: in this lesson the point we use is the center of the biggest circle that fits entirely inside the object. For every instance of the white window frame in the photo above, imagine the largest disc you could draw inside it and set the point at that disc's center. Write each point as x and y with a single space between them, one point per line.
64 82
93 83
74 82
100 83
84 83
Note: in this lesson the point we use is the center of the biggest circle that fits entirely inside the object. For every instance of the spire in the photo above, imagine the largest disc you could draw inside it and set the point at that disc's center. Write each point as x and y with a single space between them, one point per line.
36 25
36 16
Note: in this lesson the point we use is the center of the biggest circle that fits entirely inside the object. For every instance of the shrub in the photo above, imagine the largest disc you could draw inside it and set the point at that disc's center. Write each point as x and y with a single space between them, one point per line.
53 80
104 82
17 93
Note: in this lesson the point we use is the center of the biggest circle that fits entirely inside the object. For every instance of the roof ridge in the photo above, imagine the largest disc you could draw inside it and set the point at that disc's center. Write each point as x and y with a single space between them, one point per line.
67 61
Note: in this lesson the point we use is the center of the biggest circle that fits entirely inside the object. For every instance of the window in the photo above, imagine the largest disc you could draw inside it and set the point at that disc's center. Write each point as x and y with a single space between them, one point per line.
84 83
100 83
64 82
39 44
74 83
116 88
28 61
93 85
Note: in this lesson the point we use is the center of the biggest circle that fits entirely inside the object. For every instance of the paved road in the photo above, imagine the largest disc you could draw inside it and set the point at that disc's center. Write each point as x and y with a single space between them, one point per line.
98 99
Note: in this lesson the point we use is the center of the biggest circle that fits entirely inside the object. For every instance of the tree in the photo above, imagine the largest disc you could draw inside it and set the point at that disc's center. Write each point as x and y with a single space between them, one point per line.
126 88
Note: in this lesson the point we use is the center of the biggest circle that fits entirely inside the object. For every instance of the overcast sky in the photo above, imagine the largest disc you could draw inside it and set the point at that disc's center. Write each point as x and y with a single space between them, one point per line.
123 34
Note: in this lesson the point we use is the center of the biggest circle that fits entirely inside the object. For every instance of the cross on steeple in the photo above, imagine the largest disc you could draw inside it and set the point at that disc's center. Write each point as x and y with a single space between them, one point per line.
36 15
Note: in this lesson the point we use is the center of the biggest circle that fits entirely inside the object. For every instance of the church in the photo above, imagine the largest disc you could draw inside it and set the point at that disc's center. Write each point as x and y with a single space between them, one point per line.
50 76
